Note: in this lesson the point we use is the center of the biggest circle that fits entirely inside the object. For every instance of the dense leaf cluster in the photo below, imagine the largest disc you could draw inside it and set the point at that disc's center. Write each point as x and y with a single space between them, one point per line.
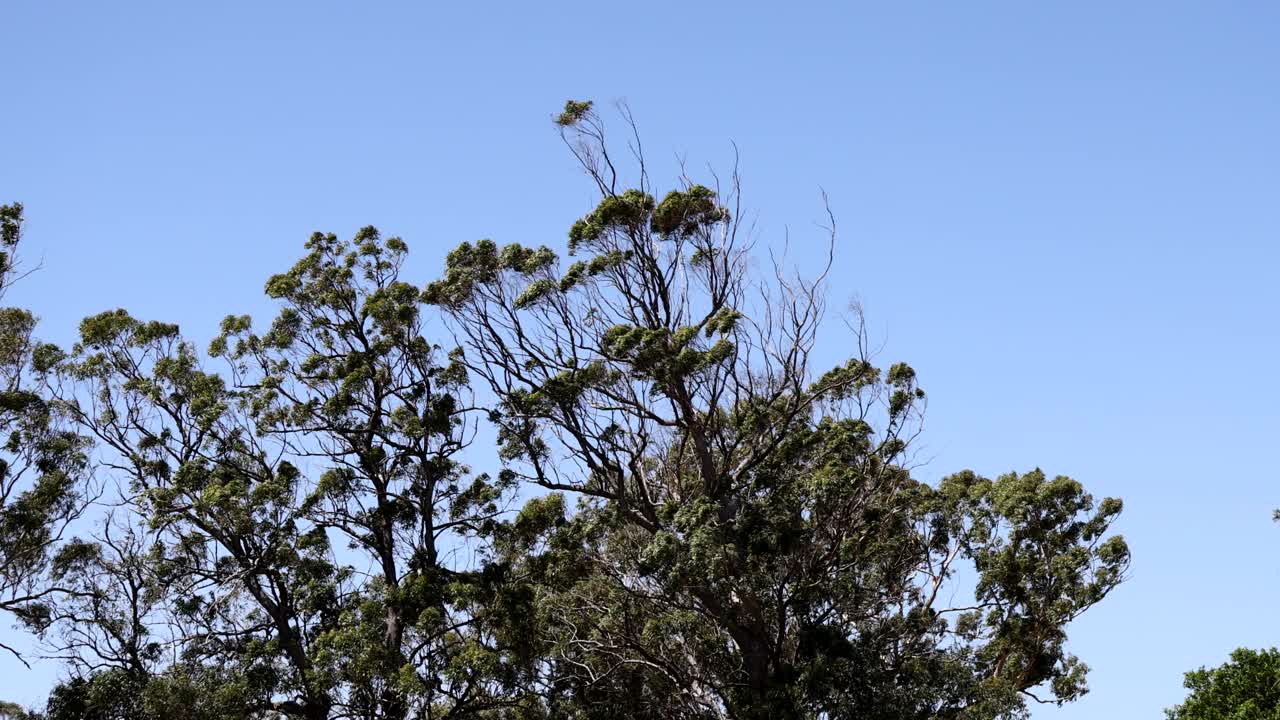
1245 688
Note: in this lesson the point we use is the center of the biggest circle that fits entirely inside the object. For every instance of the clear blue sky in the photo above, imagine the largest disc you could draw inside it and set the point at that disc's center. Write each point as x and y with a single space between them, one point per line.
1066 218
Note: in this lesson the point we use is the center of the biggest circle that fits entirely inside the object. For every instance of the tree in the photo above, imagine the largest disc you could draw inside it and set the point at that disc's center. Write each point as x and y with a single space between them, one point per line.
748 540
1245 688
718 528
346 378
254 582
114 694
338 422
42 463
128 633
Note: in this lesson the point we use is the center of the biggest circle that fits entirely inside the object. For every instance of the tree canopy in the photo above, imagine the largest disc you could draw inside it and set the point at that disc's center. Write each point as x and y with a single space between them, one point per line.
1247 687
686 515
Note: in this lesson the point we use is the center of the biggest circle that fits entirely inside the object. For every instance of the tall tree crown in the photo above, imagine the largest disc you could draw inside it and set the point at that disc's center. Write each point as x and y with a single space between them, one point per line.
714 523
749 540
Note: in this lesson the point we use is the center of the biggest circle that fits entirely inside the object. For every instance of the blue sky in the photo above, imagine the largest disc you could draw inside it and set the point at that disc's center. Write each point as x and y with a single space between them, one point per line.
1064 217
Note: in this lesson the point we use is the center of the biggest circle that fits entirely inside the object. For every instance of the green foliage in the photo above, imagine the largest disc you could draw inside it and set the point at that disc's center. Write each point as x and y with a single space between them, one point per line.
574 111
229 542
340 422
469 266
42 462
748 540
186 692
713 527
1245 688
615 213
10 235
111 695
684 213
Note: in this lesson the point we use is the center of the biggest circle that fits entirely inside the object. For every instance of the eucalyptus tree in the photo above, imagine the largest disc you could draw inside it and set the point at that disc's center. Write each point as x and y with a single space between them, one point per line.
254 582
315 549
748 540
722 526
1247 687
346 380
43 464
